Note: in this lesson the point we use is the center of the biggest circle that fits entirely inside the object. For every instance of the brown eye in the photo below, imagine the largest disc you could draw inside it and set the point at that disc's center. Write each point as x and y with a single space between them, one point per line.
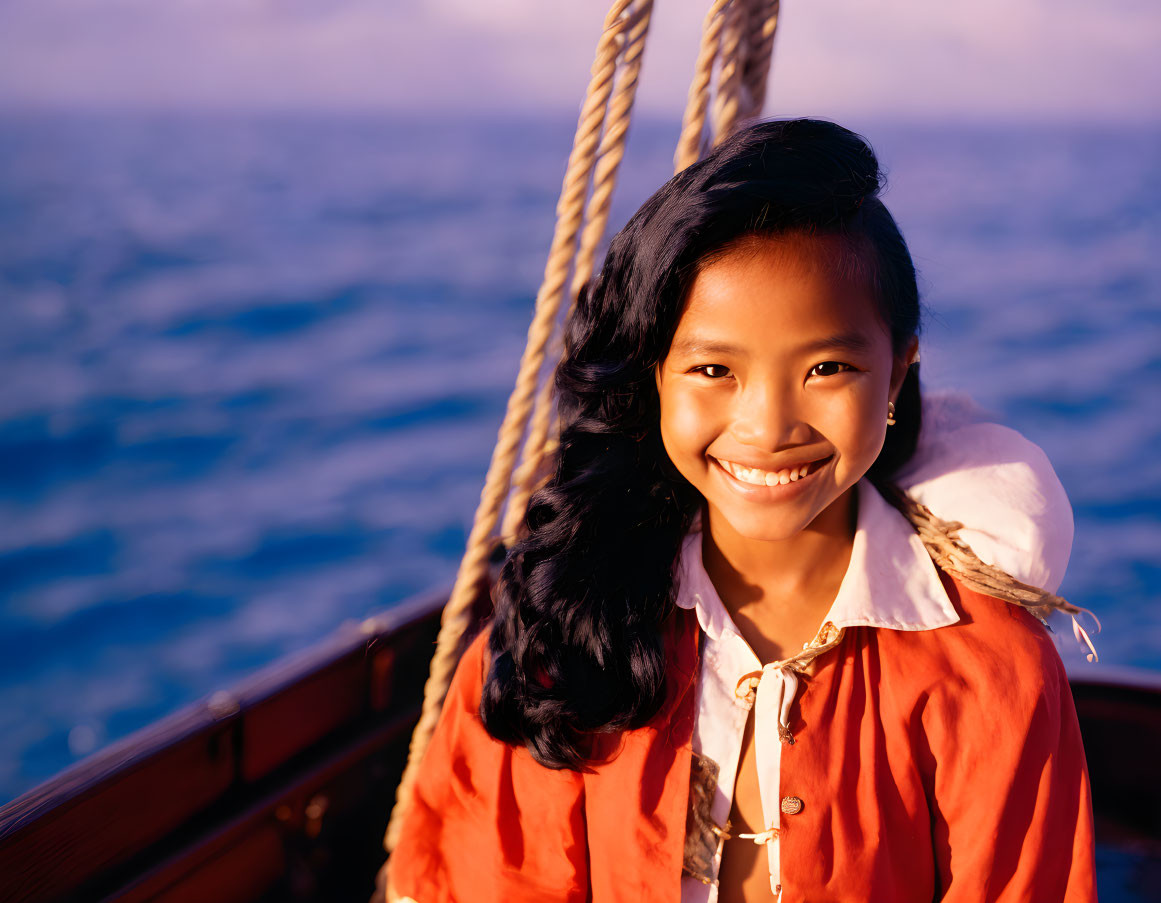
713 371
829 368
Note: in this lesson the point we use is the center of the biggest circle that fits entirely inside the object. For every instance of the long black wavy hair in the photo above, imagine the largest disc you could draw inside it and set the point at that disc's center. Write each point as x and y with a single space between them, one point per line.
576 640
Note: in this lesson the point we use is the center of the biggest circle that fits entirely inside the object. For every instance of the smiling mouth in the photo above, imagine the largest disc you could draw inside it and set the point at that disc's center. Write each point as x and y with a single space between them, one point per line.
755 477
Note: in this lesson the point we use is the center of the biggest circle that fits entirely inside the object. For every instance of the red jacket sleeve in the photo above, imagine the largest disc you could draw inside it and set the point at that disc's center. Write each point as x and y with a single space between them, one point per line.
486 822
1007 780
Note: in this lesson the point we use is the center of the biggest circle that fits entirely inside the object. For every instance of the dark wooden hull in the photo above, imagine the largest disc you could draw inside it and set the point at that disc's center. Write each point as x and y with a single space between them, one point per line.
280 790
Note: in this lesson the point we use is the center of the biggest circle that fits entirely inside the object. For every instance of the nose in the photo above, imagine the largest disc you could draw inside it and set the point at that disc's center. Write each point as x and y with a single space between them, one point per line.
766 416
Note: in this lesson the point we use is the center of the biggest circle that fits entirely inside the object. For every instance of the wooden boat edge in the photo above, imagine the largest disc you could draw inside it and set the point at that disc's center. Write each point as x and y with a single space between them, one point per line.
245 830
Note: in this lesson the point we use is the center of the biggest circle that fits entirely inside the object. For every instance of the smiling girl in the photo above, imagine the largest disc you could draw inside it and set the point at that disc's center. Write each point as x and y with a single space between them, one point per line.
735 656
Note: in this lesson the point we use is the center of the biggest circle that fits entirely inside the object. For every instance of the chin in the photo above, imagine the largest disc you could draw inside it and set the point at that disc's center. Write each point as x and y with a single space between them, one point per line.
765 526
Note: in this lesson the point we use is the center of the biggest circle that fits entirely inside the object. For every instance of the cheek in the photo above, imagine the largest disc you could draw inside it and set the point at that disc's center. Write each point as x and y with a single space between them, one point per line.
686 423
855 422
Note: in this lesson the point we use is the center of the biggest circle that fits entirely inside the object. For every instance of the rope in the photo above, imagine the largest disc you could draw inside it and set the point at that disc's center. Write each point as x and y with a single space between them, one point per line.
745 51
598 149
693 123
731 55
741 34
744 45
473 570
946 548
612 149
763 21
596 217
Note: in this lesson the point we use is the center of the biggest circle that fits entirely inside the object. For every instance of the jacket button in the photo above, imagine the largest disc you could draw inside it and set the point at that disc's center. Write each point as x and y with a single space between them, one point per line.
791 805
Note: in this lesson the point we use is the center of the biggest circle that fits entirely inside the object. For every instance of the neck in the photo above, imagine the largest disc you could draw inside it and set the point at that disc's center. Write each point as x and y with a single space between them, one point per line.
801 572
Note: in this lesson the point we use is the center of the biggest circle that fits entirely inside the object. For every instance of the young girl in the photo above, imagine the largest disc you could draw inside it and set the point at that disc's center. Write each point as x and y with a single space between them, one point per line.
724 664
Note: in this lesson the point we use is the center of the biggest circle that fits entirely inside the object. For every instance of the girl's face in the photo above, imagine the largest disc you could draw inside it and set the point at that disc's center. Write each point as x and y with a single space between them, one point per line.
774 390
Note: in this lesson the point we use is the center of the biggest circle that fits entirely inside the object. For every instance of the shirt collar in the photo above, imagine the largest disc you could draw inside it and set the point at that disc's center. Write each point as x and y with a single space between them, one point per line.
890 582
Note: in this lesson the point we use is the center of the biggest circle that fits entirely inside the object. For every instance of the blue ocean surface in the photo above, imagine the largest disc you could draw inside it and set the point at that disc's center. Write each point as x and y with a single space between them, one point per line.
252 369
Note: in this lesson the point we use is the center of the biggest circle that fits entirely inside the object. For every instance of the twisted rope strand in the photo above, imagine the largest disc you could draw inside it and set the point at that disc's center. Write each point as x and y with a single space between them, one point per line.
473 569
693 122
732 48
762 23
746 85
612 149
596 216
946 548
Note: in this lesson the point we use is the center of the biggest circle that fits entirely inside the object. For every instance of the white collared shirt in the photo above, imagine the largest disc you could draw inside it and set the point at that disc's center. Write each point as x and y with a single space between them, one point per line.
1015 515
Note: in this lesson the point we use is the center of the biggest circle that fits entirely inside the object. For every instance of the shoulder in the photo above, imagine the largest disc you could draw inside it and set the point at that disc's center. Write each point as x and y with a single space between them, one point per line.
998 663
992 630
479 809
998 484
467 685
460 739
995 740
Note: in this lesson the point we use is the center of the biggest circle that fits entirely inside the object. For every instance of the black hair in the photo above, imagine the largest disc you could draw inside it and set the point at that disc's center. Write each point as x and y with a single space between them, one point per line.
576 641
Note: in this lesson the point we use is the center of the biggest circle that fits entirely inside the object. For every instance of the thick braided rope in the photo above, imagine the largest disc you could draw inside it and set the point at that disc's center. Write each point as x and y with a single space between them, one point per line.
946 548
747 85
732 48
612 149
596 217
748 31
473 570
763 22
747 44
693 123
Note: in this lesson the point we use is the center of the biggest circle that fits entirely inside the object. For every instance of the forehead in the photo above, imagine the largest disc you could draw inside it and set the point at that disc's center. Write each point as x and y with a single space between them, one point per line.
775 292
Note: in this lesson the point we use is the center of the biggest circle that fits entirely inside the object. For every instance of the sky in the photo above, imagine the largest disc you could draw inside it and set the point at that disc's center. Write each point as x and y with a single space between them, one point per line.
1041 59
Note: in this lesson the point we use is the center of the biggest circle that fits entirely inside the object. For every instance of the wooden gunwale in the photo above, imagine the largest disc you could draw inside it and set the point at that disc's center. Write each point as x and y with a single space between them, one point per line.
281 788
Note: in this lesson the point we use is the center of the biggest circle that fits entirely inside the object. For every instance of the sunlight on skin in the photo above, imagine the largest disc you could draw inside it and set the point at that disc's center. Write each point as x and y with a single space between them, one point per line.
779 360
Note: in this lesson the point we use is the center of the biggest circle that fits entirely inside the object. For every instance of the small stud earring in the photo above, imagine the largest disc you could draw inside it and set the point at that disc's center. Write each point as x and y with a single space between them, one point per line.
890 413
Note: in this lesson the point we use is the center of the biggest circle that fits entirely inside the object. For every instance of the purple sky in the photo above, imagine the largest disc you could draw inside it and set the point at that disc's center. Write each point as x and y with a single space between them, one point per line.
1056 59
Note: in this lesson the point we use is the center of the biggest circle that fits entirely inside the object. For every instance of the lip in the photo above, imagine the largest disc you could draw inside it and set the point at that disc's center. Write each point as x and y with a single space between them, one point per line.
778 490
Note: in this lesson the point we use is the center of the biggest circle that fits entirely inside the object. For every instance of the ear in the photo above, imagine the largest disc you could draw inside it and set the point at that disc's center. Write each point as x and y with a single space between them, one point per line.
902 363
657 376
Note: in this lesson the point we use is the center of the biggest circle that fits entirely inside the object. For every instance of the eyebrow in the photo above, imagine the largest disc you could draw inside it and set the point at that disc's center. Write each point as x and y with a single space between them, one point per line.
847 341
695 346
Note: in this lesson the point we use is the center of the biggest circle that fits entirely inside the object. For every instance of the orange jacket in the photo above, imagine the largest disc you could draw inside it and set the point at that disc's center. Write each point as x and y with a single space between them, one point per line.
934 765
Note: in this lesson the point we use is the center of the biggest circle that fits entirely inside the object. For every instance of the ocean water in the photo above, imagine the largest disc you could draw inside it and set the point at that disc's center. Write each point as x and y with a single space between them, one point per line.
251 372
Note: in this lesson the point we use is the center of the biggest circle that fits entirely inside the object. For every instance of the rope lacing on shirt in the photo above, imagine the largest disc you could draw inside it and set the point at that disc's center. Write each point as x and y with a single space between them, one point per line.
761 837
746 690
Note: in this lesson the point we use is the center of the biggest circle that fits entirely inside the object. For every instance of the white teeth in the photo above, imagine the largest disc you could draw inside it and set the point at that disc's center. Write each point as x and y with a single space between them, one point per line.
745 474
765 477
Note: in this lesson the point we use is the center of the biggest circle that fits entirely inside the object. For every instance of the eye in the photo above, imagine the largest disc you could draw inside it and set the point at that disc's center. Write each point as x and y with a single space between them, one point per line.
712 371
830 368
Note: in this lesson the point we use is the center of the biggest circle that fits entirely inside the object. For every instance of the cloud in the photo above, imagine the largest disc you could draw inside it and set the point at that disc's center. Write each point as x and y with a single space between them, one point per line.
995 57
